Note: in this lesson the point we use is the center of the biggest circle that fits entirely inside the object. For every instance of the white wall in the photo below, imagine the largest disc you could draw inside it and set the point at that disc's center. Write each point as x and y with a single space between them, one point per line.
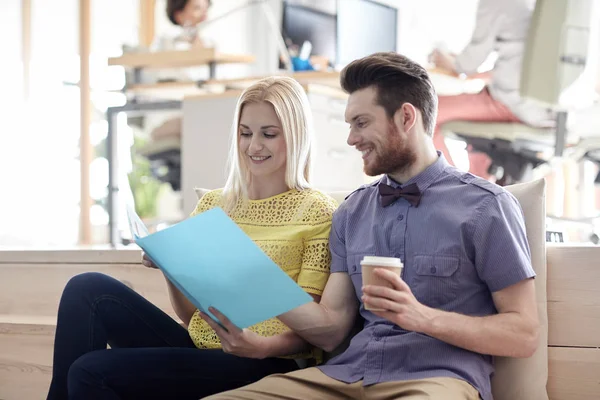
10 32
424 23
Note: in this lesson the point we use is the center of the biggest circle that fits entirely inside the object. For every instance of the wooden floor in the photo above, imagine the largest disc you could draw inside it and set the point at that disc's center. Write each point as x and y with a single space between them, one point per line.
31 284
25 358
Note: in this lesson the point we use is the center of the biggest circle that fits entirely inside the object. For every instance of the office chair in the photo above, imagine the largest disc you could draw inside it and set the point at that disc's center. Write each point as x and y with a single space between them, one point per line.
555 56
163 152
165 162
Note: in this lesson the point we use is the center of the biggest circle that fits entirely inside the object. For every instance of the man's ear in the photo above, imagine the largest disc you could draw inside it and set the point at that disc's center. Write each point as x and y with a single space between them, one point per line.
406 117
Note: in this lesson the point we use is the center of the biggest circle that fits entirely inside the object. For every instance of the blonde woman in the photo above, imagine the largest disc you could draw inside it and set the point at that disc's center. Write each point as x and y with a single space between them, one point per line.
268 195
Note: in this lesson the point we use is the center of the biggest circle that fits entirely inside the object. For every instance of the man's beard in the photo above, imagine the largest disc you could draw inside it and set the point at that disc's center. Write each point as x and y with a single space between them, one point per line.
396 157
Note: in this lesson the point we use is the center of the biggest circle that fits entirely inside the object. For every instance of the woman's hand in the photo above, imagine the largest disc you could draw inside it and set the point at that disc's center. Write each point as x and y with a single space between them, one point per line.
443 60
147 262
236 341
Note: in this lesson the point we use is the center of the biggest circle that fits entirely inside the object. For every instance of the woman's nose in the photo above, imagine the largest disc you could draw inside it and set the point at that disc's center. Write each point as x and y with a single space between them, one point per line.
255 144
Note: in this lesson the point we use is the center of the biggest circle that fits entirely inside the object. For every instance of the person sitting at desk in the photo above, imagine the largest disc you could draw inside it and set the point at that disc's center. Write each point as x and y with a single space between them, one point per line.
500 26
466 291
187 14
165 134
268 194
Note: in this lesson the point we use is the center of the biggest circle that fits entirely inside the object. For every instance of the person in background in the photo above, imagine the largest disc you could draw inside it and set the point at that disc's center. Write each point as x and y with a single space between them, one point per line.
152 356
187 14
501 27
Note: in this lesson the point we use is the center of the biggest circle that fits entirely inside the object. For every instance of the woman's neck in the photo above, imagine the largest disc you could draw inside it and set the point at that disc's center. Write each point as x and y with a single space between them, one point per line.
264 188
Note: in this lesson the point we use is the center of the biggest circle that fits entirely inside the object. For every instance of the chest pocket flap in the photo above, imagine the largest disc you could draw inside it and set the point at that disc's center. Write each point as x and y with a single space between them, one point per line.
435 280
442 266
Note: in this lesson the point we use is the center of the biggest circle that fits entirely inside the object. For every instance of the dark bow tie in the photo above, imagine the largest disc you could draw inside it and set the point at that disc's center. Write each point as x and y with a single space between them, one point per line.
390 194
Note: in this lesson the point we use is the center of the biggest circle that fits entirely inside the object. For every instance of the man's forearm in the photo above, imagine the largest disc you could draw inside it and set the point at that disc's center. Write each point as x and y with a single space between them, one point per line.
326 324
505 334
315 324
285 344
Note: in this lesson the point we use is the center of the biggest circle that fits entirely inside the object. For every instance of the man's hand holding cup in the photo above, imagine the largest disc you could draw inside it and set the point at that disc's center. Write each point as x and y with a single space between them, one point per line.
386 295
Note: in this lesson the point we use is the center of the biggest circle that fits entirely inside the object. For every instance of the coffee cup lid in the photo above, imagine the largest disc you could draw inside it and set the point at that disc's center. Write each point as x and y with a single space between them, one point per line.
381 261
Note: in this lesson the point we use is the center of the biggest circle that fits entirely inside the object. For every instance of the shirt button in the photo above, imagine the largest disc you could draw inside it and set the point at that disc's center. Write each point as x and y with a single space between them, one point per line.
397 255
433 270
376 338
354 268
400 217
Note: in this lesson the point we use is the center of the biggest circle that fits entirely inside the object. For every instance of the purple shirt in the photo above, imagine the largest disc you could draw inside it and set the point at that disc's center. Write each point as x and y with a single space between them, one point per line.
465 240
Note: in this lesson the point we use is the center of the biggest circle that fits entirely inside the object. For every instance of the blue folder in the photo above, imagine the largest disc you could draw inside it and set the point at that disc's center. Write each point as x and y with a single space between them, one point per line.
214 263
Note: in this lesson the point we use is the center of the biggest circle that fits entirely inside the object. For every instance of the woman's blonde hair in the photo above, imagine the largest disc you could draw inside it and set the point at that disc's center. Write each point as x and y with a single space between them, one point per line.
291 105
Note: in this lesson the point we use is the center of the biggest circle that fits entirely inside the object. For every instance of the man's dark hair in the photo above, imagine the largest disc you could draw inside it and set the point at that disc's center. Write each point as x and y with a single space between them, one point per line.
175 6
398 80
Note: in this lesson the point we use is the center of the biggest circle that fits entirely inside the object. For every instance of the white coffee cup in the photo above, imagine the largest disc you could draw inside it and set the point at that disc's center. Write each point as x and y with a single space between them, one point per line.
368 265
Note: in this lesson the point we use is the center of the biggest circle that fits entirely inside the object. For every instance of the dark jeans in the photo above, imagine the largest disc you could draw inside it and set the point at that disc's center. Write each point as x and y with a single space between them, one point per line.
151 355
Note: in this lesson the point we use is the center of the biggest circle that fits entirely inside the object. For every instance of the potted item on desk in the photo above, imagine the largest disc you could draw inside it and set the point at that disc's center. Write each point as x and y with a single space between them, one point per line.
301 62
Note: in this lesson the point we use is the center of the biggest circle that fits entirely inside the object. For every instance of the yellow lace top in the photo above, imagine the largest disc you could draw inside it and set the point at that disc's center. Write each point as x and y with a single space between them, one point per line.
292 228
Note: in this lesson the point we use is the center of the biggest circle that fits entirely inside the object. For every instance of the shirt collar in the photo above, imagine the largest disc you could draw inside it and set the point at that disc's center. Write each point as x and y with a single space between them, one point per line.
425 178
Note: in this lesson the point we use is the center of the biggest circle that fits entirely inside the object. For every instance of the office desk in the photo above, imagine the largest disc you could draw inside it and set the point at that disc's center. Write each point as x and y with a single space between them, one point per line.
152 60
447 83
164 90
189 89
178 59
303 77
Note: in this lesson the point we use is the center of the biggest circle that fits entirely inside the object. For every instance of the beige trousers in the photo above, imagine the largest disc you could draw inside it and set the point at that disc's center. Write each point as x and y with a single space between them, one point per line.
312 384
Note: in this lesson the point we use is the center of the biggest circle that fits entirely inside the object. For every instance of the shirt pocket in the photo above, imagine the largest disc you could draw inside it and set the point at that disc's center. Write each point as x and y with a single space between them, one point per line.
435 280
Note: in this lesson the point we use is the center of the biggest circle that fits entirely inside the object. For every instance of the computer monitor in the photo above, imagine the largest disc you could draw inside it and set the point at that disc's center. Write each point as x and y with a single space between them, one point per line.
364 27
305 23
